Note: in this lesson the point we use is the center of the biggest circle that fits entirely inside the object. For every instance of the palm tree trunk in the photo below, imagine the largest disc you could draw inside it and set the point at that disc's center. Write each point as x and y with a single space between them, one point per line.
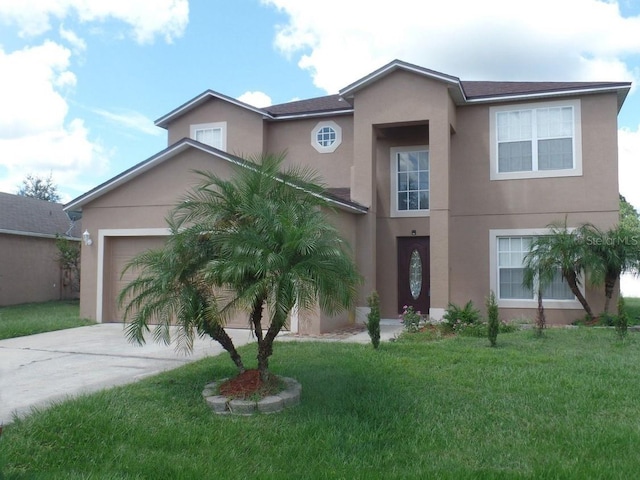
541 320
220 335
265 348
573 285
256 319
609 285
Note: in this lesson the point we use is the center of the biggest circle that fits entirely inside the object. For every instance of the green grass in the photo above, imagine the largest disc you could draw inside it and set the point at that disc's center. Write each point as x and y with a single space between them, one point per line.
563 406
632 306
30 318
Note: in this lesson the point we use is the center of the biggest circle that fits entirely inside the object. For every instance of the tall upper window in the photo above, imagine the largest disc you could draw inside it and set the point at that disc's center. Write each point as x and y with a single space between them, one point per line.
410 181
212 134
509 249
326 136
538 140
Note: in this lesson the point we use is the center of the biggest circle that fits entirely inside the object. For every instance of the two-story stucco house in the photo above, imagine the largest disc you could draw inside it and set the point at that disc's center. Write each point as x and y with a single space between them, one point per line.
439 184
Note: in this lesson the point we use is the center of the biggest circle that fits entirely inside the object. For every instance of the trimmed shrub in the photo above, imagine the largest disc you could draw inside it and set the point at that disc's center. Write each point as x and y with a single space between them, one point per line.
493 320
373 319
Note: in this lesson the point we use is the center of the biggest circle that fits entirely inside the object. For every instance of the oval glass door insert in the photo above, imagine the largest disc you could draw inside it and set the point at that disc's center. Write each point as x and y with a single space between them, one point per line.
415 274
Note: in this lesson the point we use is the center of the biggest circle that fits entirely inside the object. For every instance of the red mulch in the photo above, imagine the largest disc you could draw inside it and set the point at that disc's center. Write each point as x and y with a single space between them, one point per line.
243 385
248 384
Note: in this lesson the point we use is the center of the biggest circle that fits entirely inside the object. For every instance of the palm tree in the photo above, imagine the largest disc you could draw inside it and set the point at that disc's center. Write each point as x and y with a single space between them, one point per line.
614 251
171 290
261 243
563 250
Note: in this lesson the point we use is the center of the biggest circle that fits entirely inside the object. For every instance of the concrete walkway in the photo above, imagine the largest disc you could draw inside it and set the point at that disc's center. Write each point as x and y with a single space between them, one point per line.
40 369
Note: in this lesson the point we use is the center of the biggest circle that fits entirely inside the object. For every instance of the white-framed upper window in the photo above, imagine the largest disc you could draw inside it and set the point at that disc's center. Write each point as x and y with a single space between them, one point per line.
212 134
326 136
507 251
536 140
410 184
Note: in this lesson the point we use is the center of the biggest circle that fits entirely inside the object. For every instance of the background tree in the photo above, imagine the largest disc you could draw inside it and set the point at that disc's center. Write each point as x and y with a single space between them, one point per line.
40 188
614 251
68 258
258 243
629 217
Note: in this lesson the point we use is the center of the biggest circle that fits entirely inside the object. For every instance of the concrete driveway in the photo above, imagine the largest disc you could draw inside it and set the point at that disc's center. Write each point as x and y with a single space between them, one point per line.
40 369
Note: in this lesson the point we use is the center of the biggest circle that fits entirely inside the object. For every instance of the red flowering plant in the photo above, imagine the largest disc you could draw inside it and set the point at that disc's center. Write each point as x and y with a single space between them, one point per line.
410 319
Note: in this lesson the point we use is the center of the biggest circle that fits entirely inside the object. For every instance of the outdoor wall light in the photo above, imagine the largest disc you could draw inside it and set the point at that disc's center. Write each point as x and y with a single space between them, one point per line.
86 238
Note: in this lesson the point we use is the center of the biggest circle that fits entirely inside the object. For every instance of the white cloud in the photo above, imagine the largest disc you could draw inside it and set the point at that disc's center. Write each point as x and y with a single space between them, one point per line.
489 40
77 43
147 18
65 152
35 134
629 164
132 120
257 99
30 103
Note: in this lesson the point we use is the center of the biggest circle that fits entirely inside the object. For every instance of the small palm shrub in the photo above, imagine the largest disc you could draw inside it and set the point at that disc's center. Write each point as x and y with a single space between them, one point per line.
459 319
493 323
373 319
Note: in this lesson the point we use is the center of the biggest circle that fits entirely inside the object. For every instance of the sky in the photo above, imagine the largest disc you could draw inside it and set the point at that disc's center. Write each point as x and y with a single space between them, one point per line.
82 81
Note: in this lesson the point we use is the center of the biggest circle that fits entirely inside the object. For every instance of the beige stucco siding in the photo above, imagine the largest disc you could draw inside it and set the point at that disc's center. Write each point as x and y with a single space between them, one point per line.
480 205
316 322
294 138
245 135
595 190
29 271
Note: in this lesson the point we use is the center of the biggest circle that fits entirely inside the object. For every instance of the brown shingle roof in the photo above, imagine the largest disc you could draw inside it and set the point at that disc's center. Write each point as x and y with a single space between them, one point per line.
473 90
29 215
329 103
481 89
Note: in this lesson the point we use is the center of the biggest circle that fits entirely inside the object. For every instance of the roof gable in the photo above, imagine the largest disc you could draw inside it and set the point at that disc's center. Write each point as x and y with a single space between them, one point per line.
350 90
201 99
30 216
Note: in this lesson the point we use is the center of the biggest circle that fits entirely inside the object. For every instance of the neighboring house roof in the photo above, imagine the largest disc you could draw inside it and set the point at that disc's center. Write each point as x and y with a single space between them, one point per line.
462 92
32 217
336 198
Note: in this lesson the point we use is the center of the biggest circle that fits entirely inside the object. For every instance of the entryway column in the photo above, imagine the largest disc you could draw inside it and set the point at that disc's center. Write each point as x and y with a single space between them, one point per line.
440 155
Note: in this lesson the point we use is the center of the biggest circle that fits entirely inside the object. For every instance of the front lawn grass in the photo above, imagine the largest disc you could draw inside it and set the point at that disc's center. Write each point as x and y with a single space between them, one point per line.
30 318
562 406
632 306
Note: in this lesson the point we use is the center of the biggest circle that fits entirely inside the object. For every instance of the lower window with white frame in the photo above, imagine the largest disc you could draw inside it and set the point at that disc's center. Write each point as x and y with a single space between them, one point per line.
508 250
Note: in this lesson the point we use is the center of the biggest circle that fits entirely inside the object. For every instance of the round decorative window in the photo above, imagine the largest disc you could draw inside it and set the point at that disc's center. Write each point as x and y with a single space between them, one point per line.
326 136
415 274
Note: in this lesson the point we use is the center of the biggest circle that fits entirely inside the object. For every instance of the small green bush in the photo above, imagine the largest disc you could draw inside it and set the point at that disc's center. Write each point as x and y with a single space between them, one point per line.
460 318
493 323
373 319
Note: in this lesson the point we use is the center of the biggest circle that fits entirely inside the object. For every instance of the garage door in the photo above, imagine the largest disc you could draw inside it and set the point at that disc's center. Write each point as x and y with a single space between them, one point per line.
118 252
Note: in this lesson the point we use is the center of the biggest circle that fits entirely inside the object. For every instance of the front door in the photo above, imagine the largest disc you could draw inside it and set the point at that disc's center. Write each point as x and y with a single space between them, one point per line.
414 288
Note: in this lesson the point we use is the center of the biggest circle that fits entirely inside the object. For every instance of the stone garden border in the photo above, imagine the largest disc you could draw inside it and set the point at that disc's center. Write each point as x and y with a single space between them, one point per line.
221 405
